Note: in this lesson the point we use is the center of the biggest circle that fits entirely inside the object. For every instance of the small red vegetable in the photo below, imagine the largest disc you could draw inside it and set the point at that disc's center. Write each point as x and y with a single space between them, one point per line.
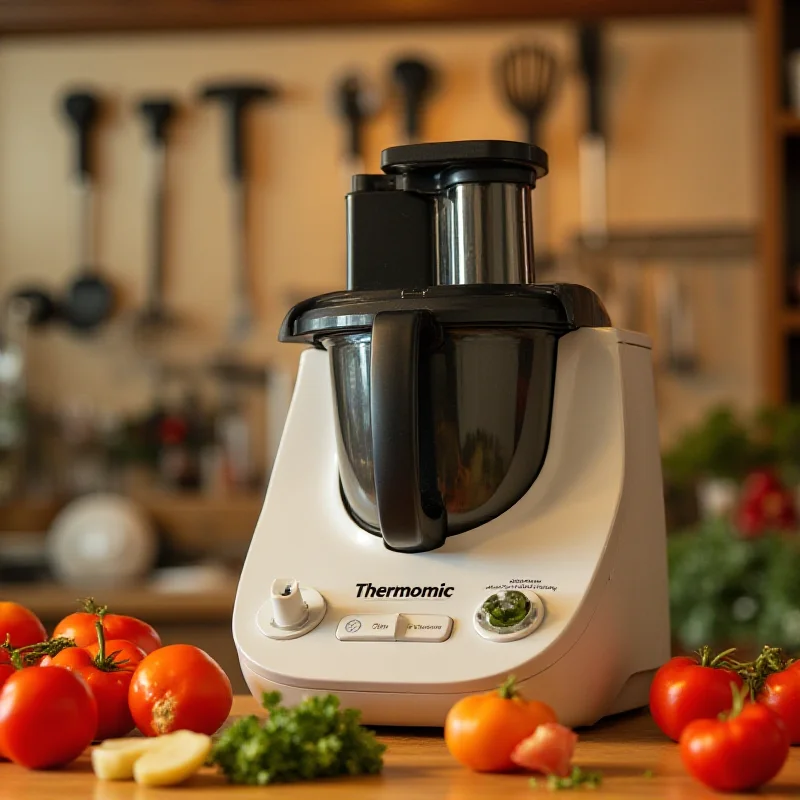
80 626
179 687
765 504
48 717
781 693
685 689
108 677
548 750
19 627
741 750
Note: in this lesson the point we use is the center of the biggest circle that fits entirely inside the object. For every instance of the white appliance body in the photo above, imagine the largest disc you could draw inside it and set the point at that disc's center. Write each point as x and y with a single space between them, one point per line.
588 538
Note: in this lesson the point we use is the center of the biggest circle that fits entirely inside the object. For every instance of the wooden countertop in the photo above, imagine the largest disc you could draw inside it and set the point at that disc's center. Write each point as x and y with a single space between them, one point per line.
417 765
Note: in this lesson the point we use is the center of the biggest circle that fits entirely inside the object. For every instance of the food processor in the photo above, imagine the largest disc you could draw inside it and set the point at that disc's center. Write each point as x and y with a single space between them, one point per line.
468 484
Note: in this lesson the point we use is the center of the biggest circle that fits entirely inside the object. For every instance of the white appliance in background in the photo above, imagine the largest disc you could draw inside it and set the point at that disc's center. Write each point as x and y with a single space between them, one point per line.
469 481
101 540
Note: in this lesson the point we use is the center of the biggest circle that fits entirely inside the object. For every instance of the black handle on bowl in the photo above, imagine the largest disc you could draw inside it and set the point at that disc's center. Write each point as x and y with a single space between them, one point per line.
410 508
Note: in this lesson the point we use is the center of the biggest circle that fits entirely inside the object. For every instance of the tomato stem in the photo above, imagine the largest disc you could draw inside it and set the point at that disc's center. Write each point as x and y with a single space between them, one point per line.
30 654
737 707
89 606
769 661
101 660
101 641
721 660
508 690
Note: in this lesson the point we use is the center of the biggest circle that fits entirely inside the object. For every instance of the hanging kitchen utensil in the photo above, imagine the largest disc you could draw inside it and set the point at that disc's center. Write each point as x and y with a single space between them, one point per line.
354 104
157 114
414 79
42 306
13 427
12 342
236 99
89 300
592 146
676 324
528 76
684 354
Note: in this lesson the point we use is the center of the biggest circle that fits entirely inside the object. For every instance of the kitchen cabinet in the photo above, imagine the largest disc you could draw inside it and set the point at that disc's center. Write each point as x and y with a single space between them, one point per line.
80 16
778 35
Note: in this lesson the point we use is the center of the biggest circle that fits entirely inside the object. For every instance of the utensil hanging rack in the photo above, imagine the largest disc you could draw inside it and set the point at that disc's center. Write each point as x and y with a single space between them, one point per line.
721 246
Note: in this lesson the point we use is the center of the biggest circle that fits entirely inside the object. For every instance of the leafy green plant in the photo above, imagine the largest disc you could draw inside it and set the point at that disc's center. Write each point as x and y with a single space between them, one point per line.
721 446
777 432
314 739
728 590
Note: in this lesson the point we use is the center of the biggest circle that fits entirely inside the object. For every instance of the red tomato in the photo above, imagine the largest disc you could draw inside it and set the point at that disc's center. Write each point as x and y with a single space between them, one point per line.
179 687
108 679
6 671
48 717
781 693
549 750
80 627
737 752
21 625
685 689
482 730
126 654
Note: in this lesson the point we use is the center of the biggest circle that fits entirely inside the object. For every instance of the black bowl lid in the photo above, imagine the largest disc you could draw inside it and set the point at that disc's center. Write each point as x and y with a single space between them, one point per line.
560 307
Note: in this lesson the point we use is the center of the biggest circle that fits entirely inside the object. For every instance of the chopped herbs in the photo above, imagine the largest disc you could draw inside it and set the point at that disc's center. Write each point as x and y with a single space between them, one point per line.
577 779
505 609
314 739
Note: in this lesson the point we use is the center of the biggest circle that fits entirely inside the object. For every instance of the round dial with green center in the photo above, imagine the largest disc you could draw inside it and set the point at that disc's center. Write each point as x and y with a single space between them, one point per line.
506 609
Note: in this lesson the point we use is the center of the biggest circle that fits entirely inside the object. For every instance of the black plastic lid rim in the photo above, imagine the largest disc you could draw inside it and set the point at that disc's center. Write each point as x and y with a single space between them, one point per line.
558 307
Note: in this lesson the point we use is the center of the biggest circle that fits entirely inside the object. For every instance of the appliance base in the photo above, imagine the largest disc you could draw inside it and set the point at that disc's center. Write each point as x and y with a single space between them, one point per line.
430 710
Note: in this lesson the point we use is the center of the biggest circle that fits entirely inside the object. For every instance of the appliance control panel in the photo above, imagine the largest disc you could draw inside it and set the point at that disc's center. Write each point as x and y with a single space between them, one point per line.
293 611
394 628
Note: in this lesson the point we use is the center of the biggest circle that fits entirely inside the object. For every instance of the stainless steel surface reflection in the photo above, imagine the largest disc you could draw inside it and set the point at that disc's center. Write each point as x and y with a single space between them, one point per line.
491 394
485 234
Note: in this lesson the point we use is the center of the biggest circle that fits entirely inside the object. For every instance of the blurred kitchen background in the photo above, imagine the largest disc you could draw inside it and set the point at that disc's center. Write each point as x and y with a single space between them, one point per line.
139 417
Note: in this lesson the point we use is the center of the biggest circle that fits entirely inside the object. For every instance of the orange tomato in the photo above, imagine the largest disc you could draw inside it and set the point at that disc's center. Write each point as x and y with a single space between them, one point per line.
481 731
179 687
22 625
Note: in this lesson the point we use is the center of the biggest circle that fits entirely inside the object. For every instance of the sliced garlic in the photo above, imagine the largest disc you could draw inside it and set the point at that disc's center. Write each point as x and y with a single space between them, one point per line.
176 757
113 760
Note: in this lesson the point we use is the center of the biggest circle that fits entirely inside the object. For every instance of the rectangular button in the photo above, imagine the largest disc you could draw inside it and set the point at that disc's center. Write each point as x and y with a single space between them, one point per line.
424 628
367 628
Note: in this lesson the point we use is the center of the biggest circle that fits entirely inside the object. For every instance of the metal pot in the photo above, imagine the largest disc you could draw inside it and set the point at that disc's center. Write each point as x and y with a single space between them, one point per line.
438 429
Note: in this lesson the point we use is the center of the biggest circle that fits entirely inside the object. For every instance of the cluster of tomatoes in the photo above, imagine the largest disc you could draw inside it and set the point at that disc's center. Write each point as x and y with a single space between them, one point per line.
735 721
98 676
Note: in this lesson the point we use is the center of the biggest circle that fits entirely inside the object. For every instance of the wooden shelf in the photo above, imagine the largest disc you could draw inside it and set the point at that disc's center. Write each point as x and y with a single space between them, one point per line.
18 17
52 602
189 520
791 320
789 123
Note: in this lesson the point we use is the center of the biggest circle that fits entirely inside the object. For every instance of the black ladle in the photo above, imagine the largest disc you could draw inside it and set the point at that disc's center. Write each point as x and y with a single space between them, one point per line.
415 79
89 300
157 114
